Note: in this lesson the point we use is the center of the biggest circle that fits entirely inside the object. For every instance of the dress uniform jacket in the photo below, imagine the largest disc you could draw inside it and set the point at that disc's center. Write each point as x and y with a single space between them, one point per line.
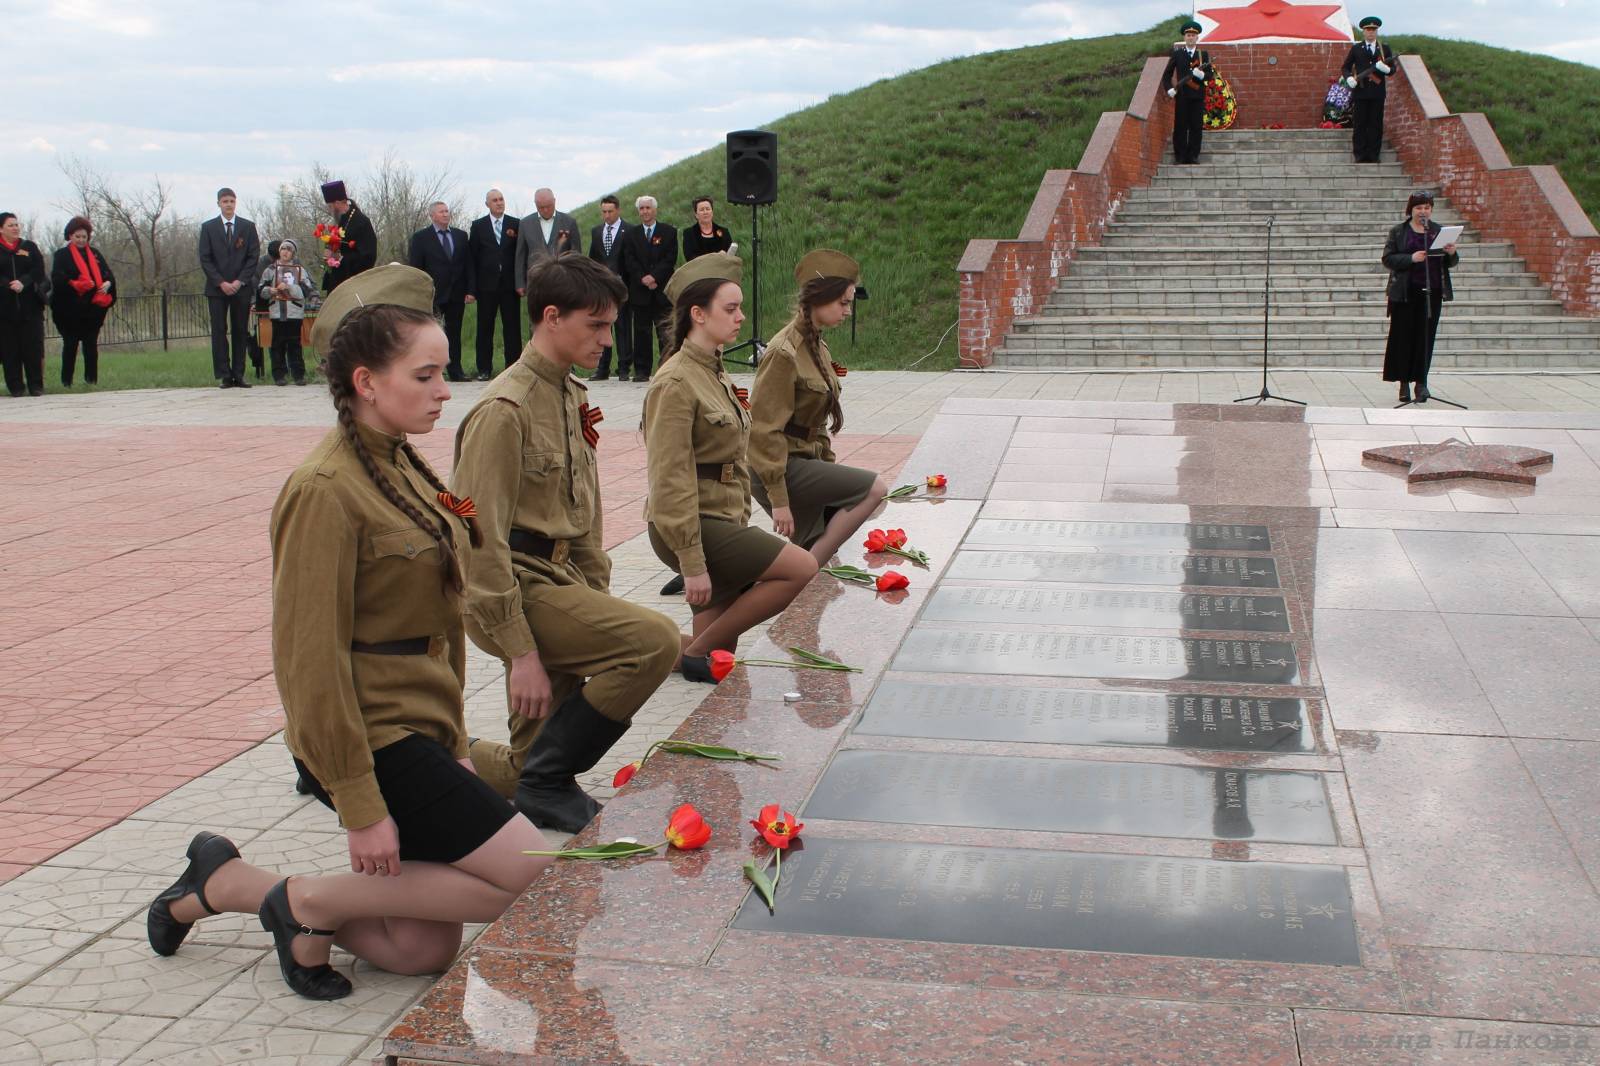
522 457
351 569
789 408
1362 63
1177 75
693 417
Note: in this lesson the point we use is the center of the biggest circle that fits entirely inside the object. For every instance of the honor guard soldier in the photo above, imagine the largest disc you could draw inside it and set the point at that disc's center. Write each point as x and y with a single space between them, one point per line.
539 597
1186 75
1366 72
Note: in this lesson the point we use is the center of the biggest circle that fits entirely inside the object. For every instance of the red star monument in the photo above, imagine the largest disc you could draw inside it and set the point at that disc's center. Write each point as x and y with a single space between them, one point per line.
1457 459
1275 20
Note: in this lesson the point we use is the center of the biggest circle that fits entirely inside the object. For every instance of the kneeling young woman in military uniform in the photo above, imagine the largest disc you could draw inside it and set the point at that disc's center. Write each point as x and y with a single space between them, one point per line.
368 645
697 429
813 500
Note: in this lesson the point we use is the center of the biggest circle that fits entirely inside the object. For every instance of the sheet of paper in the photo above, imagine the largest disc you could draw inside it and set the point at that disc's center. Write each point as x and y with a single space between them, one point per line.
1447 235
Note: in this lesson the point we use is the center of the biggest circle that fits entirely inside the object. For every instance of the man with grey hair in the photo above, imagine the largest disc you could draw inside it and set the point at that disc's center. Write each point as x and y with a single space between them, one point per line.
649 252
543 235
440 250
492 243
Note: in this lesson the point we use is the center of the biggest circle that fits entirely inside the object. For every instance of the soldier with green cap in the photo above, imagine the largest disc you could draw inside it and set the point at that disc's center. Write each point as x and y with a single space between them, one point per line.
1188 70
813 499
369 568
579 661
697 433
1366 72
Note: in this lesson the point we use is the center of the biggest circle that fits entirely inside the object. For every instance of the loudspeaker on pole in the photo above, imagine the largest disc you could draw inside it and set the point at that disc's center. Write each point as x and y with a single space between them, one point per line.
752 167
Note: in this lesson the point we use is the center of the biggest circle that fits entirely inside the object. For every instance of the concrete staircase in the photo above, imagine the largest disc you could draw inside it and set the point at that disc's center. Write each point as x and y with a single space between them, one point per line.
1138 300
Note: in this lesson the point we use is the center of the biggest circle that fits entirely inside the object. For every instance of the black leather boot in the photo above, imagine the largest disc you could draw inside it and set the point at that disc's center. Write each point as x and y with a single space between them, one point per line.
1422 392
673 587
571 742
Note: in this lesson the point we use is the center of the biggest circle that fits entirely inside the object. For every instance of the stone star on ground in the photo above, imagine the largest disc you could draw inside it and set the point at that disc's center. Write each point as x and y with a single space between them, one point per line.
1454 458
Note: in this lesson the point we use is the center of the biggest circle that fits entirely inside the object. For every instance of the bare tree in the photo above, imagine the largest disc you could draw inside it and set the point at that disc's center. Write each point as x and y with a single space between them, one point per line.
145 233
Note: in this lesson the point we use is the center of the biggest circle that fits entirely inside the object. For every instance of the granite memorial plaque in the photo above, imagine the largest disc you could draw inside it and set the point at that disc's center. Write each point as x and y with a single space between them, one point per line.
1230 571
1175 536
1034 714
1126 904
1075 796
1234 662
1066 606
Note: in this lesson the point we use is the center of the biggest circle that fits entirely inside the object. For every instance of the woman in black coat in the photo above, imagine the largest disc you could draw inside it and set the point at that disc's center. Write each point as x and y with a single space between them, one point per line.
1419 286
82 290
705 235
24 288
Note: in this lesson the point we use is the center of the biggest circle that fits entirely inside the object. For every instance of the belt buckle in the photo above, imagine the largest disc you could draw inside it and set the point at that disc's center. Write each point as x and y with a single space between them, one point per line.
560 551
727 477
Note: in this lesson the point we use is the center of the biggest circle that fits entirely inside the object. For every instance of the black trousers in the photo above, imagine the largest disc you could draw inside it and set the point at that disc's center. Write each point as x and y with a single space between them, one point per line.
22 352
450 315
621 344
1366 128
230 320
287 355
508 308
1188 111
91 356
648 320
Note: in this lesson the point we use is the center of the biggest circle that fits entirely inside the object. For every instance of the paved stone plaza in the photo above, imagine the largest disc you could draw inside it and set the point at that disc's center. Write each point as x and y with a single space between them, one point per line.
1436 791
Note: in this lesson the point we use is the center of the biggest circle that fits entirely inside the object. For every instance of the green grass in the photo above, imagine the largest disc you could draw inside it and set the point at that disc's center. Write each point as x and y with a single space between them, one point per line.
903 172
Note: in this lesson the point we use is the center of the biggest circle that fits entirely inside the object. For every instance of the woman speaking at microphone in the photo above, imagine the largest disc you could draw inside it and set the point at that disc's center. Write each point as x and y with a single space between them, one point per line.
1419 286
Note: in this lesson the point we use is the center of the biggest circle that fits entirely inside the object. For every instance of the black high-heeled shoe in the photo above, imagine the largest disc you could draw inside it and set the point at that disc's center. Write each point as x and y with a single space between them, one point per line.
312 982
1405 392
696 668
207 853
1423 395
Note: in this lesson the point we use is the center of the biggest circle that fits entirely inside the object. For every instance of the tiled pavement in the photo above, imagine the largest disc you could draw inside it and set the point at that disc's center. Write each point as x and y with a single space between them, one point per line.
137 703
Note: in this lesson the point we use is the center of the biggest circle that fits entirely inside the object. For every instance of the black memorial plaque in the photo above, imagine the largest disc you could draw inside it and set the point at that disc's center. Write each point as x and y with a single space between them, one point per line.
1229 571
1076 901
1034 714
1075 796
1061 606
1042 533
1234 662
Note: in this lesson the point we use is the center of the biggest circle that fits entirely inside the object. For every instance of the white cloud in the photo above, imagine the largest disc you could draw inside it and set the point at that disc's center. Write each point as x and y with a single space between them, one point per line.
38 144
119 18
99 144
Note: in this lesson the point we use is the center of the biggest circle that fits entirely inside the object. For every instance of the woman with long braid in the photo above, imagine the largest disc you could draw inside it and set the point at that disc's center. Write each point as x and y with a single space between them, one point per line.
813 499
369 650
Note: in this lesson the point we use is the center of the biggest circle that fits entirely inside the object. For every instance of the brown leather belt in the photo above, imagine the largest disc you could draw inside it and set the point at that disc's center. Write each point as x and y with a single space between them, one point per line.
408 646
727 473
529 543
799 432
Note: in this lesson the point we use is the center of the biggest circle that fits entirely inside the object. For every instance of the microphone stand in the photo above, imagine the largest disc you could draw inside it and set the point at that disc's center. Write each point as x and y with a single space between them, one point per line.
1427 307
1266 328
756 344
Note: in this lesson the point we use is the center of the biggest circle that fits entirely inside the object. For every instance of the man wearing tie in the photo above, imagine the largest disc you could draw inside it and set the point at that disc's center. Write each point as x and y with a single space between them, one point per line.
605 247
493 249
1188 70
440 250
544 234
229 251
1366 71
649 252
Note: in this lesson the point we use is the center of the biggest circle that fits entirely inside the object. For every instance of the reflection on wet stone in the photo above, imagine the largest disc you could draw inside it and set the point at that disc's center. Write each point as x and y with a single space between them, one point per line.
1242 662
1105 607
1199 908
1039 533
1231 571
1074 796
1039 715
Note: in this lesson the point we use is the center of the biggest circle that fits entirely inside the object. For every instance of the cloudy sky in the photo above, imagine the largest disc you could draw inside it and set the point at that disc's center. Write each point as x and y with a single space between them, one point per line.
515 95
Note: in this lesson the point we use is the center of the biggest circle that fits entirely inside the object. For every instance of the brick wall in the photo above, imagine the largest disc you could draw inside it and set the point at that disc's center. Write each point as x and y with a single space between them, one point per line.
1279 83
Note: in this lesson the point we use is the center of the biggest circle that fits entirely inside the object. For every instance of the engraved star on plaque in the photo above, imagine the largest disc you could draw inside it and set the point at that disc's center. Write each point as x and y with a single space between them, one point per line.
1457 459
1325 910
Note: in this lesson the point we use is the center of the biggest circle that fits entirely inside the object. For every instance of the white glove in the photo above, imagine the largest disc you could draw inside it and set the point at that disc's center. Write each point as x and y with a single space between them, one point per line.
1199 73
1383 68
1172 92
1350 82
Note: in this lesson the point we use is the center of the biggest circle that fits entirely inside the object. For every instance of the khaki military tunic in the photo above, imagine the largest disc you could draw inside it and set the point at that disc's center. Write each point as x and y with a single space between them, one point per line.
789 393
693 417
349 567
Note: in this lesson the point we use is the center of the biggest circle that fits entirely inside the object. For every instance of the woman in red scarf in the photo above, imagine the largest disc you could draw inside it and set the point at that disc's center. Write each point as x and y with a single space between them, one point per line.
24 287
82 291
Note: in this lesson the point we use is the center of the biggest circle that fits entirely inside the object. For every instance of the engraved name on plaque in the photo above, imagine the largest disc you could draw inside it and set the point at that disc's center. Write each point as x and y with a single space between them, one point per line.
1243 662
1065 606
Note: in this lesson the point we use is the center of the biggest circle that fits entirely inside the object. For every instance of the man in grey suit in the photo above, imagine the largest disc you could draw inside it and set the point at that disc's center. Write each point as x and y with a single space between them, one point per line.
543 235
229 251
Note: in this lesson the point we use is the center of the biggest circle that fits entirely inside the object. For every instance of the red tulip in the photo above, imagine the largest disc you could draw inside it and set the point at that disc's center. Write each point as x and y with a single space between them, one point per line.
686 830
722 664
625 774
777 826
896 538
876 541
890 580
936 481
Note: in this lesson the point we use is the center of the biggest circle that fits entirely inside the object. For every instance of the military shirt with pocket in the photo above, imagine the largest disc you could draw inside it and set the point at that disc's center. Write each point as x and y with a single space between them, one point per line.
790 404
349 568
522 458
693 418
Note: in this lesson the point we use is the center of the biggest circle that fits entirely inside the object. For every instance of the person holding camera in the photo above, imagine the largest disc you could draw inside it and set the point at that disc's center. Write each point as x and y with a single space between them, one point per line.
287 289
24 290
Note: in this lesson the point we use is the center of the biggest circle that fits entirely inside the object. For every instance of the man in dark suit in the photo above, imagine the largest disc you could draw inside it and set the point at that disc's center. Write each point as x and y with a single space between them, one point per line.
1188 70
229 251
649 252
605 247
440 251
358 247
1366 71
492 244
544 234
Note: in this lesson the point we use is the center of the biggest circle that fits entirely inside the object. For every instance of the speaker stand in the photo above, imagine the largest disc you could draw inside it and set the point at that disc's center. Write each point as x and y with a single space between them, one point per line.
757 344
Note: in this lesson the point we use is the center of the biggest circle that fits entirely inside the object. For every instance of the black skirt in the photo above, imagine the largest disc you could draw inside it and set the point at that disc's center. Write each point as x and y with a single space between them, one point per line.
444 811
1413 325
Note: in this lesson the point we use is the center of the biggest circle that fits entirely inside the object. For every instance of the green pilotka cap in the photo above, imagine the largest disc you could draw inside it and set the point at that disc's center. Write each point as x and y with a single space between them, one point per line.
392 283
712 265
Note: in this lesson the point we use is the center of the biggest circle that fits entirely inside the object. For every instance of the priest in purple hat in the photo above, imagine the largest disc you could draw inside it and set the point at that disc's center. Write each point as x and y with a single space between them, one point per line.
353 246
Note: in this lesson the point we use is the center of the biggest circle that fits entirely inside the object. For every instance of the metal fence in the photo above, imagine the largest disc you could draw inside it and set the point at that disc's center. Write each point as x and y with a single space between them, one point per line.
159 318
